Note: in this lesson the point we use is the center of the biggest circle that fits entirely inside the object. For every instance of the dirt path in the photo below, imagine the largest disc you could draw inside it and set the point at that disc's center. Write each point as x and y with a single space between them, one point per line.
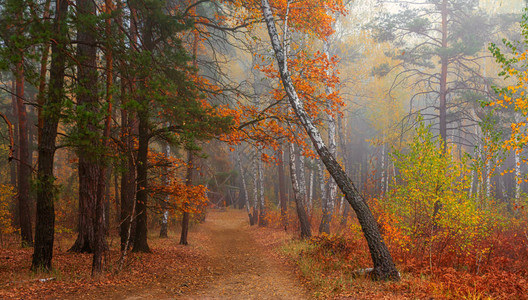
225 259
243 268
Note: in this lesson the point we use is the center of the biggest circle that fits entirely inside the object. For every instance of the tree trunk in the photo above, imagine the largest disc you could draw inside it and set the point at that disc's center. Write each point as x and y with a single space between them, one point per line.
282 189
383 169
128 177
331 189
190 167
102 206
518 177
255 190
14 164
261 204
345 207
299 195
444 61
140 238
244 186
384 267
87 100
41 97
311 185
189 183
46 191
165 217
24 164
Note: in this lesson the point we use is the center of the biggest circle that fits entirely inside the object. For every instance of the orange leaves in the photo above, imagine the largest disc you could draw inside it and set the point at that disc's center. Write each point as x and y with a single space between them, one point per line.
172 189
266 120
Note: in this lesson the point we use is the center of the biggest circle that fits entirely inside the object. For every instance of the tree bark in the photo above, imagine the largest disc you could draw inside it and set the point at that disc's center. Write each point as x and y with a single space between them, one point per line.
261 204
299 194
24 164
87 101
128 126
311 188
102 206
41 97
140 237
255 190
140 240
282 188
165 217
444 61
518 176
244 186
189 183
331 188
384 267
14 165
46 191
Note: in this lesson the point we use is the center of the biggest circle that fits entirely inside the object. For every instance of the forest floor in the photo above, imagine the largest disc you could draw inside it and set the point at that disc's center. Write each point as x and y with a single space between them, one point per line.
225 259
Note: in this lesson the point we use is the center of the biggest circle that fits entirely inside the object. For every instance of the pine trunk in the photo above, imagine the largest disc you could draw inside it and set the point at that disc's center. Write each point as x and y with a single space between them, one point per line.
87 152
102 206
24 164
128 177
189 183
46 191
140 237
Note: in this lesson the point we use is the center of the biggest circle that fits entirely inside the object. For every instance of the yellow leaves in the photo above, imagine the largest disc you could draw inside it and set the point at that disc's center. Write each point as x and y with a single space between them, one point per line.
6 197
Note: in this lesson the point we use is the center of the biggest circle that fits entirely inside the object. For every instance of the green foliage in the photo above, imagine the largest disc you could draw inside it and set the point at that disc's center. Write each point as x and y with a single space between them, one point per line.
430 201
23 32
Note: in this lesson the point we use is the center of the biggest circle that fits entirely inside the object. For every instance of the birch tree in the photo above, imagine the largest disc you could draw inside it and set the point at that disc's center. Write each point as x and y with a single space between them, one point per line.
384 267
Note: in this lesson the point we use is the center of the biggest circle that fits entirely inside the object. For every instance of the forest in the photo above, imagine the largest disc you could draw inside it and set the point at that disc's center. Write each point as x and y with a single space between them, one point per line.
264 149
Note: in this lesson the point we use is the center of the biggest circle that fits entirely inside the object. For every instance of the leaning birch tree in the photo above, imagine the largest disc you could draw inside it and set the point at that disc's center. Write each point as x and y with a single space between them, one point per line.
384 267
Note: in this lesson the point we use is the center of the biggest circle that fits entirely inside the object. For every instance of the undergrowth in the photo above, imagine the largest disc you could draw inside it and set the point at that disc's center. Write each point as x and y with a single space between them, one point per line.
329 265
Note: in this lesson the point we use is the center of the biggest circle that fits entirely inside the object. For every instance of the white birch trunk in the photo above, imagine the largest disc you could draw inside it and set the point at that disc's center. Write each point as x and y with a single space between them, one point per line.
302 177
255 184
518 175
488 179
165 217
332 143
384 267
262 207
299 193
383 173
243 178
322 183
311 182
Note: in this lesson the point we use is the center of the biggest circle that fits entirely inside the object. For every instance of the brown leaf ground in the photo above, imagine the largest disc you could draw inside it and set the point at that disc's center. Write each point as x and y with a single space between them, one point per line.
226 259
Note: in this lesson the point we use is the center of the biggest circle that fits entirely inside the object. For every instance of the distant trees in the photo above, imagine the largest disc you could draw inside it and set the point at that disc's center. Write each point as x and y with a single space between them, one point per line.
16 19
438 48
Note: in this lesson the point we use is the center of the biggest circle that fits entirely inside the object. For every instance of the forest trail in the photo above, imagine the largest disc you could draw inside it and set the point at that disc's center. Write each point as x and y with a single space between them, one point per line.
244 267
235 264
225 259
